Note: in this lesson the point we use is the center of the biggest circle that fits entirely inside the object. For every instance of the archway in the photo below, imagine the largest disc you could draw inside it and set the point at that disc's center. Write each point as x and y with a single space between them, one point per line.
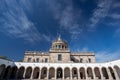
28 73
74 73
67 73
112 72
36 73
20 72
59 73
44 73
82 73
13 73
117 69
7 73
2 70
97 72
51 73
89 72
105 74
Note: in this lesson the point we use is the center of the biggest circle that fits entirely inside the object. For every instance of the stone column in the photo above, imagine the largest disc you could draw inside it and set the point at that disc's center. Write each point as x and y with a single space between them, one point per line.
47 74
71 74
109 74
63 75
94 76
40 74
78 74
86 74
102 77
116 74
24 73
55 74
32 74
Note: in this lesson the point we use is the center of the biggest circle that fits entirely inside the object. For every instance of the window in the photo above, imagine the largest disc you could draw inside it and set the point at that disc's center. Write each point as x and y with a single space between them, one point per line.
37 60
81 60
46 60
59 57
89 60
29 59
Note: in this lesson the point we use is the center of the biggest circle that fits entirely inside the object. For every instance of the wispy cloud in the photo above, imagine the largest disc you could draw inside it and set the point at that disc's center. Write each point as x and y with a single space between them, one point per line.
66 16
104 56
15 23
100 12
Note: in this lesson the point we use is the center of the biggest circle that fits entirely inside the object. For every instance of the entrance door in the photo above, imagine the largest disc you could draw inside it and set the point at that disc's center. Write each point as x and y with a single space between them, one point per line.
59 73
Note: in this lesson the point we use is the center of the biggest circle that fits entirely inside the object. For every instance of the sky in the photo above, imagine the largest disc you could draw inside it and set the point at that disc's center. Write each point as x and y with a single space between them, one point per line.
87 26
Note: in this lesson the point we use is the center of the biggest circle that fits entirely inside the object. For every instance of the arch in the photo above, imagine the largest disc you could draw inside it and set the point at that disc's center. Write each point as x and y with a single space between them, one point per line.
13 73
28 72
51 73
20 72
117 69
44 73
67 73
97 72
89 72
74 73
82 73
7 72
112 72
2 70
59 73
104 72
36 73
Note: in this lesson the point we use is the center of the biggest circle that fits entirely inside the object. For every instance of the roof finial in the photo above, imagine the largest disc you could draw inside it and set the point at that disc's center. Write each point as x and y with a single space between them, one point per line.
59 37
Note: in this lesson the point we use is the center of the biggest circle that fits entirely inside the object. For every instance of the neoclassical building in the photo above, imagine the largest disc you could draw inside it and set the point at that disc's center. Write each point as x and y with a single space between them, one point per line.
60 64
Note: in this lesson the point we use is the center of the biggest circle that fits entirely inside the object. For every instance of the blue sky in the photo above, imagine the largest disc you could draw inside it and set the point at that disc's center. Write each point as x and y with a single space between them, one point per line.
87 25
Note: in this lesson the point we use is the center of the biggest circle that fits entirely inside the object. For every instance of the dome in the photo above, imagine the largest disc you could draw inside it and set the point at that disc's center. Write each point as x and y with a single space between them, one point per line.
59 44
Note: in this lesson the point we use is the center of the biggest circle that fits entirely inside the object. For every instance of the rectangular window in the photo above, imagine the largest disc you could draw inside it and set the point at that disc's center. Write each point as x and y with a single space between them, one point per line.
37 60
89 60
59 57
46 59
29 59
81 60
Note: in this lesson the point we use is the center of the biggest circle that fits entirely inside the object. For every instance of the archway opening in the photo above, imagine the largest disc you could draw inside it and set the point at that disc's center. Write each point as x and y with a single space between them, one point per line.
28 72
90 73
2 70
44 73
117 69
20 72
36 73
97 73
7 73
67 73
82 73
112 72
105 74
59 73
13 73
51 73
74 73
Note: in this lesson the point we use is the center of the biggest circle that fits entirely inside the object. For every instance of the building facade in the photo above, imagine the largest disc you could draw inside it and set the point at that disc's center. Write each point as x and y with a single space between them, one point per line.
59 53
60 64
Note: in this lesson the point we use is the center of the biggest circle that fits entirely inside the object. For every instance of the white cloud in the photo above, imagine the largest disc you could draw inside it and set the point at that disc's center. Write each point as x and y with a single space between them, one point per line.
66 16
104 56
15 23
100 12
114 16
